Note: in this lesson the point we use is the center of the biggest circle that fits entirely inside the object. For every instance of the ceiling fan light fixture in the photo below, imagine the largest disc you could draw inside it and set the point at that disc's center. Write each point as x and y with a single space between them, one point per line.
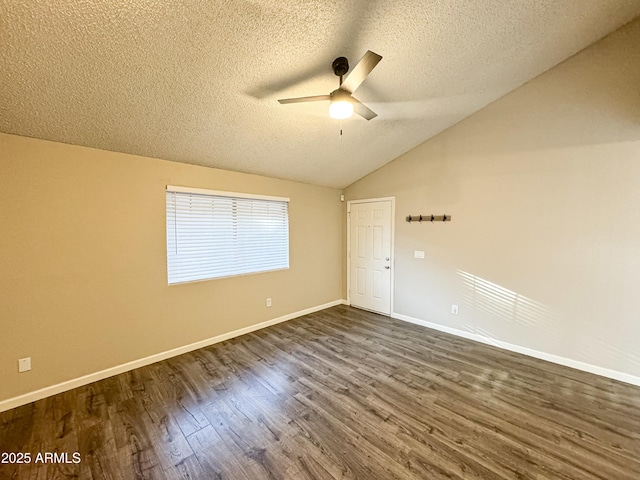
340 109
341 105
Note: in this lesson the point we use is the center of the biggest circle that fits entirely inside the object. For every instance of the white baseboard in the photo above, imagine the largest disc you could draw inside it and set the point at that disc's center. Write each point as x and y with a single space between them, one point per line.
567 362
125 367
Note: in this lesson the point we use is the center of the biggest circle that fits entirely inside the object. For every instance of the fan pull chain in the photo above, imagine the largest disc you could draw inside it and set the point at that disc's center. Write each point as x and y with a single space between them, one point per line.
340 130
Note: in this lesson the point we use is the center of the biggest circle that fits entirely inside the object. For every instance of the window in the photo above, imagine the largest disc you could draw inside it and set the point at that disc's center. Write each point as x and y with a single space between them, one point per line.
214 234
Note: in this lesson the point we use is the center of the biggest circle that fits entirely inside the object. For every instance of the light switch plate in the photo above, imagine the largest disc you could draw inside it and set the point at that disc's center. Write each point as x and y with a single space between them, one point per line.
418 254
24 364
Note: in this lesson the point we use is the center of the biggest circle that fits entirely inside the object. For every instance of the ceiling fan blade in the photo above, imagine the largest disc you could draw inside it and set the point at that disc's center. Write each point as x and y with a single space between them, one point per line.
360 71
316 98
362 110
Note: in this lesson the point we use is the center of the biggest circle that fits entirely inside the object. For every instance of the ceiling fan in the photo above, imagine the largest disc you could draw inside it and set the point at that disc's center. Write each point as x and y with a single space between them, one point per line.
342 103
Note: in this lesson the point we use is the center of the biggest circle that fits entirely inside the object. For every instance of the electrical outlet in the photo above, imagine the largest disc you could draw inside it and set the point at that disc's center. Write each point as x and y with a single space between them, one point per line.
24 364
418 254
454 309
269 302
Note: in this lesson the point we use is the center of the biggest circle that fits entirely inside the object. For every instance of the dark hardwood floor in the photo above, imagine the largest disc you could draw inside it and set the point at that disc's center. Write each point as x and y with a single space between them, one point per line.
341 393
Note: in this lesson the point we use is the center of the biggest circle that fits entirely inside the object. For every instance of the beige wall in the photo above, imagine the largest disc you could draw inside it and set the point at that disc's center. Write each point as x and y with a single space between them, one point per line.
83 282
544 187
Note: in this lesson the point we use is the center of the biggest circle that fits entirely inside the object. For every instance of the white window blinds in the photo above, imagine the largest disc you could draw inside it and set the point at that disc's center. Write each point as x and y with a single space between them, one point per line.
219 234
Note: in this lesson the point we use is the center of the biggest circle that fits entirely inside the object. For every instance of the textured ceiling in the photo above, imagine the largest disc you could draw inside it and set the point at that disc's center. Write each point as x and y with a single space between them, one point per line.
198 81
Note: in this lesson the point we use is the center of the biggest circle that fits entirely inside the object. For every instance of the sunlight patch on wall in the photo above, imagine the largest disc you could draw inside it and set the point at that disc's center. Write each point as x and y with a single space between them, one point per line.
507 306
507 310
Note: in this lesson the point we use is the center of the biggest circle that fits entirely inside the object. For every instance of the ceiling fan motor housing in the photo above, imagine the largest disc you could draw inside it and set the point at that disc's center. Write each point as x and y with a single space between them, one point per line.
340 95
340 66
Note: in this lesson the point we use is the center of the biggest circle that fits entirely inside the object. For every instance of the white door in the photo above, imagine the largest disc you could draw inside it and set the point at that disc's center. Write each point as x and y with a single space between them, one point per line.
370 255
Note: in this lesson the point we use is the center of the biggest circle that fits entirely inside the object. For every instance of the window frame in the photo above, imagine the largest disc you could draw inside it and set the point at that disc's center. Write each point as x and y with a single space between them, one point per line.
232 196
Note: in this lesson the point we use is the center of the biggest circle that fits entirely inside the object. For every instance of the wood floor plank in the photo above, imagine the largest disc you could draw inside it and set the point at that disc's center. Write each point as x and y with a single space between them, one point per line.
187 469
214 455
136 451
337 394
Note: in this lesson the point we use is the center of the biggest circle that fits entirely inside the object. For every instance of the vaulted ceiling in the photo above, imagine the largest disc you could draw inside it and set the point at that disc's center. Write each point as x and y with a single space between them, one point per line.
198 81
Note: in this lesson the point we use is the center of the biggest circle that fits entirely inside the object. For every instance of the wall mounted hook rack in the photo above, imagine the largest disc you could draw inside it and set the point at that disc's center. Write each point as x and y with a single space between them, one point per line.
429 218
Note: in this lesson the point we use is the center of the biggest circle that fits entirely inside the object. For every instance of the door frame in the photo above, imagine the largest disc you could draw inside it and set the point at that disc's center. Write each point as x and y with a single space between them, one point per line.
393 236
